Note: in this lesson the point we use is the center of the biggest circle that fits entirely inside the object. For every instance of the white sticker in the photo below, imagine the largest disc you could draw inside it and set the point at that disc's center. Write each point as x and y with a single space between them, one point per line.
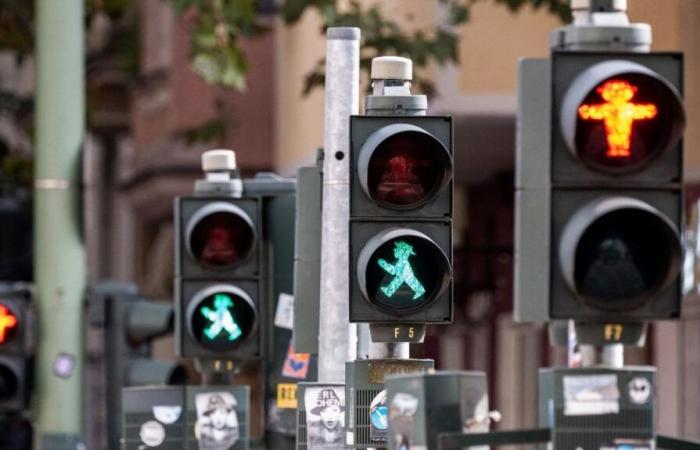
589 395
284 317
152 433
167 414
639 389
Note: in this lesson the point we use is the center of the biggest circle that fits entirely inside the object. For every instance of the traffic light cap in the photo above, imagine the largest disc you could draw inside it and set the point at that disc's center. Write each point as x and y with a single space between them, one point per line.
391 68
218 160
609 5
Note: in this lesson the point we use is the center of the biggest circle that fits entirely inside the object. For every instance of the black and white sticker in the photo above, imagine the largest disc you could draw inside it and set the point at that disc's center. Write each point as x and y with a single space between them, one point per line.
639 389
152 433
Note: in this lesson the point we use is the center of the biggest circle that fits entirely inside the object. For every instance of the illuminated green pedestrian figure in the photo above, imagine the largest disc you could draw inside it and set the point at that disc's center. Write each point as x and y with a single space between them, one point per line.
402 271
221 319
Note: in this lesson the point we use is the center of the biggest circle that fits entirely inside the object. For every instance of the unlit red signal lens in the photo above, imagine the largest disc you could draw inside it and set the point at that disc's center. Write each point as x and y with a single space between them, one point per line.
407 169
221 239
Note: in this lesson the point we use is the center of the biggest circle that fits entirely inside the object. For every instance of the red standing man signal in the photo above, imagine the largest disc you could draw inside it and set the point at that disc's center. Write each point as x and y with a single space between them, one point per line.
7 322
618 114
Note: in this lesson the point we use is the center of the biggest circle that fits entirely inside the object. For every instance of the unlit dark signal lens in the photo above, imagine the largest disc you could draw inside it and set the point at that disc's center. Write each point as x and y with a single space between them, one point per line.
9 383
623 258
407 169
221 239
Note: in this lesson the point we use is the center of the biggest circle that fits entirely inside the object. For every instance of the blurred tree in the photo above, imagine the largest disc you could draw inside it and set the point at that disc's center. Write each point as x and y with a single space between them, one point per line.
220 24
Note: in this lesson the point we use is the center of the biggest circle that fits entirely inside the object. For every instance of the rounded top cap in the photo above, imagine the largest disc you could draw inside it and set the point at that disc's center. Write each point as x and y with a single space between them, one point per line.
218 160
392 68
610 5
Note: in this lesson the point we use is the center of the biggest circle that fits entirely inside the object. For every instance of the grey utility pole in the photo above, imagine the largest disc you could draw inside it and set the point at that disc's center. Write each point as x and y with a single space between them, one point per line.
59 257
336 335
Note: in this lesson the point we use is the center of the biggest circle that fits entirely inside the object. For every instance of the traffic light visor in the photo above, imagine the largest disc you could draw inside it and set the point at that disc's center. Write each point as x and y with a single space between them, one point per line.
617 253
221 317
220 236
401 271
618 116
402 166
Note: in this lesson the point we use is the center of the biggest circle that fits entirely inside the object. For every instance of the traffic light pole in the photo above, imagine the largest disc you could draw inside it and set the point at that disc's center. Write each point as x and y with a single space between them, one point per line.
59 258
337 336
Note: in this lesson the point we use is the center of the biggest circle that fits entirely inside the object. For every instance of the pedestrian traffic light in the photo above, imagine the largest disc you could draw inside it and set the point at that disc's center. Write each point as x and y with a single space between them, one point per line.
600 186
218 266
16 355
130 323
401 219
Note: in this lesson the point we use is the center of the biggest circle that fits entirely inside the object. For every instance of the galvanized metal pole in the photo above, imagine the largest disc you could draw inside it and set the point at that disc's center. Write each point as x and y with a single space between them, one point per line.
336 335
59 257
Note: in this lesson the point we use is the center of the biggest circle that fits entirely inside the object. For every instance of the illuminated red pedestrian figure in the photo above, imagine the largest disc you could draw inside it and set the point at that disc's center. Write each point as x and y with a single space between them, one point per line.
7 322
618 114
399 184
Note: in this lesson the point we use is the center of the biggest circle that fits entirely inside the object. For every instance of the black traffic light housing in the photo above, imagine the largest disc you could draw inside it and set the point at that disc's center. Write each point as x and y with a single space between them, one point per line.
616 200
401 219
16 347
219 267
130 322
599 187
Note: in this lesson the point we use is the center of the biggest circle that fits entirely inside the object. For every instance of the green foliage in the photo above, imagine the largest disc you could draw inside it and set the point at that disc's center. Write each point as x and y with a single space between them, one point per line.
217 57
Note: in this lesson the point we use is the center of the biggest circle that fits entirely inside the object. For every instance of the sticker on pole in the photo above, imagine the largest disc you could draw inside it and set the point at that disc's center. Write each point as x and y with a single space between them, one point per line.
217 422
591 395
152 433
296 365
284 316
378 418
287 396
167 414
639 390
325 417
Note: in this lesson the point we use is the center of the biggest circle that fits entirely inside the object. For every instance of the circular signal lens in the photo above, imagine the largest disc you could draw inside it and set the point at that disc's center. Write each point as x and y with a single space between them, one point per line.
221 236
9 383
617 116
625 123
402 271
623 257
403 167
221 317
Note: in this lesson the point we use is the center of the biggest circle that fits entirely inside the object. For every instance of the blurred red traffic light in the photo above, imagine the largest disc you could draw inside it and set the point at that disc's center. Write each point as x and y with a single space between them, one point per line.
8 323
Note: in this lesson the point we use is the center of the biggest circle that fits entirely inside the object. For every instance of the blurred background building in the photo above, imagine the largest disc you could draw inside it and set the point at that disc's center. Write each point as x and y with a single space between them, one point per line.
148 129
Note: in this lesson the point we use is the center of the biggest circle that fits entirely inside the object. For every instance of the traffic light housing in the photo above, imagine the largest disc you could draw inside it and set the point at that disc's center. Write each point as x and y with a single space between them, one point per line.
130 322
599 187
401 219
219 265
16 345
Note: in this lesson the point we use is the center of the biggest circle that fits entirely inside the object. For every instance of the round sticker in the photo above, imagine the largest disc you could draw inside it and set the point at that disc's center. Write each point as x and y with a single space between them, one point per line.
152 433
639 390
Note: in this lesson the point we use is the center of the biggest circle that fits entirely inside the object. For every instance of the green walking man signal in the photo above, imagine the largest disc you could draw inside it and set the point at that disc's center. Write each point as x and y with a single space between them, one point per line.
402 271
221 319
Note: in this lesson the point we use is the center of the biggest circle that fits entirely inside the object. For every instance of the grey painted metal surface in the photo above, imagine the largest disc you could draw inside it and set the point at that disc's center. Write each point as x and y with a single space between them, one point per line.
532 184
307 260
336 335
